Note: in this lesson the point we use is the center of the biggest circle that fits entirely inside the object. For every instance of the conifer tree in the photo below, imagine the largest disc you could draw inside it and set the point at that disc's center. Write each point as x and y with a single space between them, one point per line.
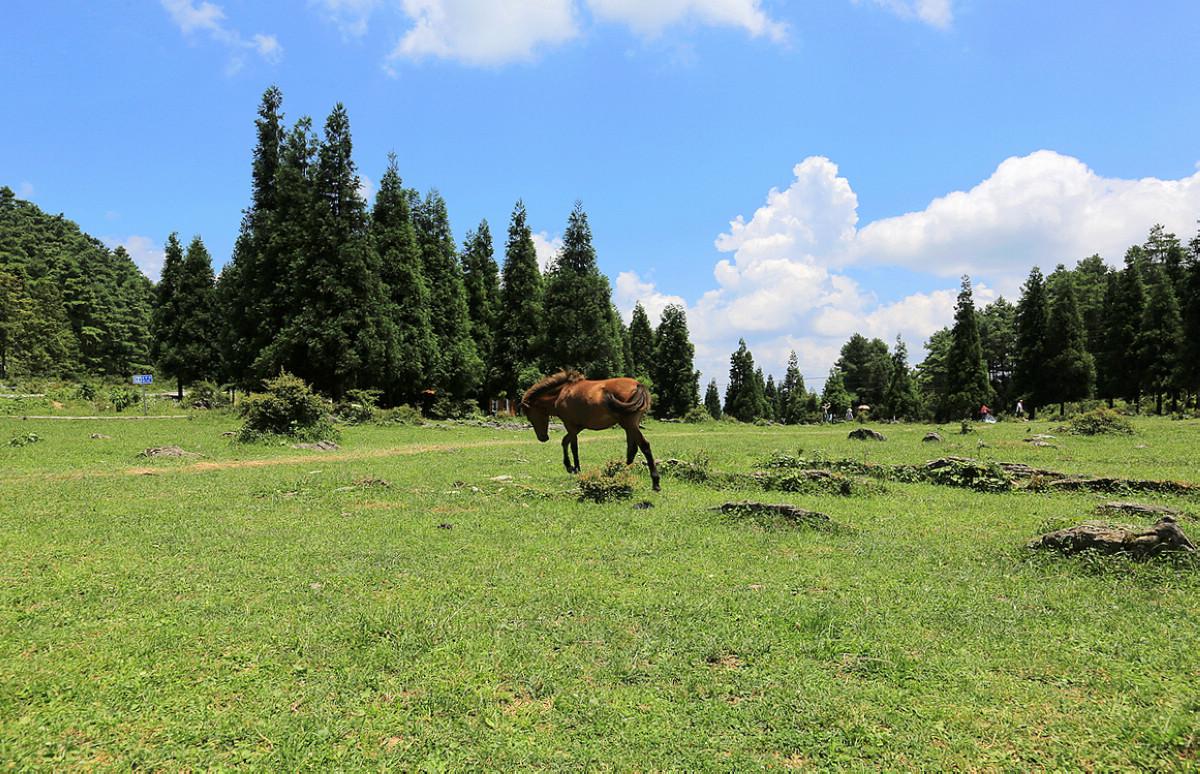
578 298
184 320
245 289
1091 282
712 400
1159 339
967 381
792 396
835 395
641 342
865 366
1032 320
1189 373
743 393
457 368
403 276
900 401
520 339
1124 309
997 336
481 276
1071 370
338 334
771 399
676 380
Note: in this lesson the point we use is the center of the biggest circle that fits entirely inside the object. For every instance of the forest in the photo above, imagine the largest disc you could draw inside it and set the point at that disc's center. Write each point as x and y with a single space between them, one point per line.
377 297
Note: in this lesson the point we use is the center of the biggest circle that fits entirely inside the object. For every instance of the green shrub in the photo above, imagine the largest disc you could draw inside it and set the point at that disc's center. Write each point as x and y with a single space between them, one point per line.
123 397
24 439
288 407
697 415
400 415
612 481
207 395
1101 421
86 391
358 406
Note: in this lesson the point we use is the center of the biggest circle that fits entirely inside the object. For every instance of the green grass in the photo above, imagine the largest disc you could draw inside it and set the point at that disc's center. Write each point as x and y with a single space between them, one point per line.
255 607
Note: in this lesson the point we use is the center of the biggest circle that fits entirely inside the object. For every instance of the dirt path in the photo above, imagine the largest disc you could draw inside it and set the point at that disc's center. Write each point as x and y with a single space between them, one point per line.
207 466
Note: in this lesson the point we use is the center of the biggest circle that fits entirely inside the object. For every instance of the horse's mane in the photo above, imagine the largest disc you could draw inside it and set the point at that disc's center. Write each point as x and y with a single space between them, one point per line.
550 382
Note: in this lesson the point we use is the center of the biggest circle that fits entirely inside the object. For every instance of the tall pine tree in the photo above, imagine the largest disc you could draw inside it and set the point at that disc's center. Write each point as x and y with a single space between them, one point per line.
1071 370
519 340
900 400
1032 321
579 333
481 276
641 342
792 396
185 324
967 385
743 393
1158 341
675 377
403 275
712 400
457 368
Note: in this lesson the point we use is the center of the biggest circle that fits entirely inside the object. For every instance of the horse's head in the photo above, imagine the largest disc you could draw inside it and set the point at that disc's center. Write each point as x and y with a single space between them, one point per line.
539 417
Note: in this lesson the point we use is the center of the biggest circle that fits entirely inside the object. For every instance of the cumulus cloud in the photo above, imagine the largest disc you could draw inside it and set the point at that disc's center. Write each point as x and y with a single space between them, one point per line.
366 189
489 33
145 252
484 32
936 13
651 18
631 289
547 248
25 189
786 281
352 17
208 18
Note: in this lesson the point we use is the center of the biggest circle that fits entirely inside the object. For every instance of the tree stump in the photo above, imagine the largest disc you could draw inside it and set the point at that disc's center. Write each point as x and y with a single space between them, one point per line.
932 438
866 434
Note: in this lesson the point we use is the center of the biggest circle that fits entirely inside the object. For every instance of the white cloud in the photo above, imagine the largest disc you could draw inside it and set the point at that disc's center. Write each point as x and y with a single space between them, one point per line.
366 188
145 252
631 289
25 189
352 17
785 284
1043 209
208 18
484 32
547 248
936 13
651 18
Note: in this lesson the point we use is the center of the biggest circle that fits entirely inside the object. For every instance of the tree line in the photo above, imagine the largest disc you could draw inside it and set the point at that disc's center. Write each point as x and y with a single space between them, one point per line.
1093 332
355 296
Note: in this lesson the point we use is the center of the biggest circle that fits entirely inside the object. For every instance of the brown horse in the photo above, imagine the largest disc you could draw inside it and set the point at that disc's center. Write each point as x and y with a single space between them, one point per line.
593 405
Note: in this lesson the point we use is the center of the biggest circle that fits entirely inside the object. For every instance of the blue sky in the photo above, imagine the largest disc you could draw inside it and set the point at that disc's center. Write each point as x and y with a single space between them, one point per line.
874 149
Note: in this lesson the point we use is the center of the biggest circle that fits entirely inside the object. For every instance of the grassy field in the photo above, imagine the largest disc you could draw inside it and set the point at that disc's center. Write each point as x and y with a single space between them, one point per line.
281 609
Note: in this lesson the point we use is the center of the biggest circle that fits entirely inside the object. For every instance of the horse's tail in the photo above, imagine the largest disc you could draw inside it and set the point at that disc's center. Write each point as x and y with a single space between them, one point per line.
638 403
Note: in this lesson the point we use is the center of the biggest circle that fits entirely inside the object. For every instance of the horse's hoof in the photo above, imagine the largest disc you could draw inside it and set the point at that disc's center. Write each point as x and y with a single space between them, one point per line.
657 488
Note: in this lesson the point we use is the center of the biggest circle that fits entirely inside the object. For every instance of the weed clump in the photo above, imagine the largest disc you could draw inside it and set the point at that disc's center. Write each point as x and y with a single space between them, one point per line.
612 481
24 439
358 406
1101 421
969 474
288 408
207 395
403 414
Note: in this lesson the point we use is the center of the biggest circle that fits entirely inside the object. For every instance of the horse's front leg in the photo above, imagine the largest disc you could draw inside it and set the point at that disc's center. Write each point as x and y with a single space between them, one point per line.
566 444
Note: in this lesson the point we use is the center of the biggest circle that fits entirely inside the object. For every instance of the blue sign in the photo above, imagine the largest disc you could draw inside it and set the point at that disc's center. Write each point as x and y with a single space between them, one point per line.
143 379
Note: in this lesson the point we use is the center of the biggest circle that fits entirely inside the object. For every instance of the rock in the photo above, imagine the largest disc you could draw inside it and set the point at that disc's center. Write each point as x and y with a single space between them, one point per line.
318 446
1164 536
1043 444
501 478
1116 485
1136 509
228 434
643 505
866 434
445 525
168 451
746 508
932 438
101 437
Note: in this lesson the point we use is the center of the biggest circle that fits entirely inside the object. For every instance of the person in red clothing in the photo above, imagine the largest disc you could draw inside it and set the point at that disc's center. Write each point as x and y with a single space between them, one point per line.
983 411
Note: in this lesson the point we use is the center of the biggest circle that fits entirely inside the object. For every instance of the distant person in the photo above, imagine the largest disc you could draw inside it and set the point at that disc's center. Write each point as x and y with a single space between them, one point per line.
849 415
1020 409
828 409
983 412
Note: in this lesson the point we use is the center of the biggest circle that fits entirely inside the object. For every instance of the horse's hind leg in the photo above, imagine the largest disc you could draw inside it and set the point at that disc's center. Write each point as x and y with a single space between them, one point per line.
645 446
631 447
575 449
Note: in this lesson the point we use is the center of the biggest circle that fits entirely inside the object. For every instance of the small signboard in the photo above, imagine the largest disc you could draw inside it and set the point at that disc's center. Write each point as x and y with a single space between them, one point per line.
143 379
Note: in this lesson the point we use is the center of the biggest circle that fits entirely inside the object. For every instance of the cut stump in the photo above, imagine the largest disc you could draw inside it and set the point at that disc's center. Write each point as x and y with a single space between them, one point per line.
1138 543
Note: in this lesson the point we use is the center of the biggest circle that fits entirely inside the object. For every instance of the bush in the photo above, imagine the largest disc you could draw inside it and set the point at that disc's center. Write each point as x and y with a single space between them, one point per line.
24 439
612 481
400 415
1101 421
288 407
122 398
358 406
697 415
207 395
